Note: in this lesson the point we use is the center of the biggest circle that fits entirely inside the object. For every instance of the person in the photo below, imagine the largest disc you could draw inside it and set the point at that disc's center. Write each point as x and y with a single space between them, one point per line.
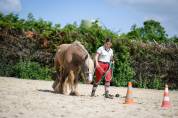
103 60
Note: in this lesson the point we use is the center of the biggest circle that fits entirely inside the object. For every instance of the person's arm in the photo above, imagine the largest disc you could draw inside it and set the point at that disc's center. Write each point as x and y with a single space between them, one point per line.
112 59
96 61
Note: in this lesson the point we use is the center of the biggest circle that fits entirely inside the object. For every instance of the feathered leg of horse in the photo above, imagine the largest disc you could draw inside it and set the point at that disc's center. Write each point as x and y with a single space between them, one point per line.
74 82
57 78
76 92
64 82
55 84
71 78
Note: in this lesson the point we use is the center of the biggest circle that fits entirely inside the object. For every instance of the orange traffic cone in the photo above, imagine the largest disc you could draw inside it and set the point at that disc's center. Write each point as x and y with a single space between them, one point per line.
166 103
129 99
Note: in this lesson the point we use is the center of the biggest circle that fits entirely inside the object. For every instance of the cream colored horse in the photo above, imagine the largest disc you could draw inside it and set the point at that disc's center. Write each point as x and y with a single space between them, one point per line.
69 60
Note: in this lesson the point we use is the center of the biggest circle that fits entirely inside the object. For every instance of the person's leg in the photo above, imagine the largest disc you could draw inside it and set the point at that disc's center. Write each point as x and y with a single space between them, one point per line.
95 85
99 74
107 95
107 84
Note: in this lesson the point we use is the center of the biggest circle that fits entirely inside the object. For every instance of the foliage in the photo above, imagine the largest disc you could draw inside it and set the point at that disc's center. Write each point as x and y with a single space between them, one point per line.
174 39
123 73
6 70
155 64
32 70
145 55
151 31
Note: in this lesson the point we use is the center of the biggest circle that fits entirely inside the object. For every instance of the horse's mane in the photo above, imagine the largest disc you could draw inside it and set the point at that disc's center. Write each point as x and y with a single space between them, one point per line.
78 43
89 62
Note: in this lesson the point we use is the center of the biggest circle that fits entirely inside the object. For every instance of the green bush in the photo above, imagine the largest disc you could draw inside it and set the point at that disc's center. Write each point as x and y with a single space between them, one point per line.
32 70
144 55
149 82
123 74
6 70
123 71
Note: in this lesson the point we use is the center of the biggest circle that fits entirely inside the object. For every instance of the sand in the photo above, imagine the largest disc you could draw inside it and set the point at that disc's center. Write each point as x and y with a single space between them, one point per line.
35 99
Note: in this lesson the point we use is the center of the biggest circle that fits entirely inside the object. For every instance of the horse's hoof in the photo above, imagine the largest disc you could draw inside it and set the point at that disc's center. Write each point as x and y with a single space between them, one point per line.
65 93
75 93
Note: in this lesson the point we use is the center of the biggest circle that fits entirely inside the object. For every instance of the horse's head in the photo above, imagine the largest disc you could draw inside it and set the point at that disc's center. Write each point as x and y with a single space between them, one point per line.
83 58
88 69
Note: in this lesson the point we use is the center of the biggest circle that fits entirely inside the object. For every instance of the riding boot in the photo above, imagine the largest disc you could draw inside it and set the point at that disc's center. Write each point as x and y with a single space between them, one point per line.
94 89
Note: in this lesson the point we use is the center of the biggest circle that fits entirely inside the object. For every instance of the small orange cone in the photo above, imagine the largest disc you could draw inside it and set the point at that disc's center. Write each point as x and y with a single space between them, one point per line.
129 99
166 103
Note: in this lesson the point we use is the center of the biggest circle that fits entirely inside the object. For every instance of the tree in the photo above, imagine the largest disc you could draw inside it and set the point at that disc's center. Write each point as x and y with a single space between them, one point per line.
30 17
174 39
151 31
154 31
135 33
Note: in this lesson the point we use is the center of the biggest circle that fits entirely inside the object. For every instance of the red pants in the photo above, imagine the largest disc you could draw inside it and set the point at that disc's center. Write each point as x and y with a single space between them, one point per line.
103 70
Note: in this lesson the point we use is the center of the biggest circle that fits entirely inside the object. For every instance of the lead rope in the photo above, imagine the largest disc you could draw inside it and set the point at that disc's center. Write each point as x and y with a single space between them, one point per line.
111 66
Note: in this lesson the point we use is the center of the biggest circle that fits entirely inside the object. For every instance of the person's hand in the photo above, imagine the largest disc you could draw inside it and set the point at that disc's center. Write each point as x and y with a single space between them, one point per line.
99 67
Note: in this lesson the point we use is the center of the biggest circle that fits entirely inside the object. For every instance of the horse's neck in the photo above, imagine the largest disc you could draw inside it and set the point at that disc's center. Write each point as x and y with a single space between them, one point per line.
77 43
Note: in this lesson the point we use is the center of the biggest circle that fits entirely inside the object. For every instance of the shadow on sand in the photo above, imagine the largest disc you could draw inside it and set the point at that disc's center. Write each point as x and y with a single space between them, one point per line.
48 91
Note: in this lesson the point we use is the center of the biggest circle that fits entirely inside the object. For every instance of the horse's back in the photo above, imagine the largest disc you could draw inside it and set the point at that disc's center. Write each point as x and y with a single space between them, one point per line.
73 54
58 59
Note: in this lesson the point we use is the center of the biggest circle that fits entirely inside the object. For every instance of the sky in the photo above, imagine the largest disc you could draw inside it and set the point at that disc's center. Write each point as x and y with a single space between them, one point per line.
117 15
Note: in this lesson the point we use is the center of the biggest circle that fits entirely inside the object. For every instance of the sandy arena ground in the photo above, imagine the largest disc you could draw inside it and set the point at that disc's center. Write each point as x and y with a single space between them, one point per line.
35 99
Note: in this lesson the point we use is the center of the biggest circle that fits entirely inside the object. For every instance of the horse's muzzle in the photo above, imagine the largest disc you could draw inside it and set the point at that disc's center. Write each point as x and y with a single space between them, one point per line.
90 78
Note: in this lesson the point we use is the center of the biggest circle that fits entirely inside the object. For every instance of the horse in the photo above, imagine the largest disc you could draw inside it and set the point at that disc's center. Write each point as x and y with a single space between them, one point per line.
69 61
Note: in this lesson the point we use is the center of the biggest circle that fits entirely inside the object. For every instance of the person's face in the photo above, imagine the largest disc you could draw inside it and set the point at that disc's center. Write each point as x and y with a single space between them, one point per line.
108 45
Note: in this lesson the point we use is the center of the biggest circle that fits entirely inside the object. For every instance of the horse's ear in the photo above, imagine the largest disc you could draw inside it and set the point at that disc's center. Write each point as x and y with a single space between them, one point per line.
86 56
